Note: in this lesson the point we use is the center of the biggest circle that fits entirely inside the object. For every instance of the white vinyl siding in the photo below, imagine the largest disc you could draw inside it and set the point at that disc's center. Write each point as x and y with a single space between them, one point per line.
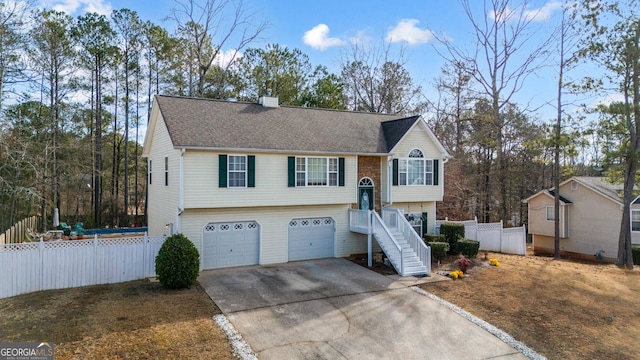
417 138
163 200
201 188
274 227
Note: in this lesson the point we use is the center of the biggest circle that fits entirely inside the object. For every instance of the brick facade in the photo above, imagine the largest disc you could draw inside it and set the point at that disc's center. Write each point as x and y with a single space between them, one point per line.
369 166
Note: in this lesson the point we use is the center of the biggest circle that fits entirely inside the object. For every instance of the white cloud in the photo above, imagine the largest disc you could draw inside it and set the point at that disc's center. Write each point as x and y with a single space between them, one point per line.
318 38
607 100
224 58
542 14
407 30
73 7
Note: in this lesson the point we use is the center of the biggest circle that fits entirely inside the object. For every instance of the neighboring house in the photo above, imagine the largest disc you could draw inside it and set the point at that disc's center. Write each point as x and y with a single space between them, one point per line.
261 183
590 216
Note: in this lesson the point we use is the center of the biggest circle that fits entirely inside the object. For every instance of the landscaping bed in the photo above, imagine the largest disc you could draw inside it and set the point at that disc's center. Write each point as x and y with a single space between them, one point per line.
563 309
137 319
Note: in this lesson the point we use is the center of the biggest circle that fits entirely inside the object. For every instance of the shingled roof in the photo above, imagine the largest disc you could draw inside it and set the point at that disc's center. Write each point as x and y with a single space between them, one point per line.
217 124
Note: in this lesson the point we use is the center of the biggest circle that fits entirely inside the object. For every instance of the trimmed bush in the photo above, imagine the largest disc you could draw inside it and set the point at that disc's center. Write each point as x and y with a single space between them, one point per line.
468 248
438 250
429 238
452 232
636 255
177 263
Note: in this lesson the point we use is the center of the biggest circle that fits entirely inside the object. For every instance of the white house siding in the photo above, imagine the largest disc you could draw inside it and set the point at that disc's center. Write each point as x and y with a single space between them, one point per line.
202 191
274 222
418 138
419 207
538 223
594 224
384 178
162 201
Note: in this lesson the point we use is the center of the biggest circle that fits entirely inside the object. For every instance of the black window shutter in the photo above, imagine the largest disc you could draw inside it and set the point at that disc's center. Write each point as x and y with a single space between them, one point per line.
340 171
222 171
291 171
251 176
436 172
395 172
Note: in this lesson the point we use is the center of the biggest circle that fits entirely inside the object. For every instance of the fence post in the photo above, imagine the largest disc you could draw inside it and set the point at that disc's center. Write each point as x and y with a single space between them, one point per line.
501 235
145 252
41 262
95 259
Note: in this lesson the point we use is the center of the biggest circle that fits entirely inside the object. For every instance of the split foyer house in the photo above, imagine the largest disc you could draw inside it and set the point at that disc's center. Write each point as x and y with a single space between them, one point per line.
262 183
590 215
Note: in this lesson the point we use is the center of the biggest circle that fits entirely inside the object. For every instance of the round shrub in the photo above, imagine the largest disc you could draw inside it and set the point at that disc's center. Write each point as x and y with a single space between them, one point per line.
177 263
438 250
452 232
469 248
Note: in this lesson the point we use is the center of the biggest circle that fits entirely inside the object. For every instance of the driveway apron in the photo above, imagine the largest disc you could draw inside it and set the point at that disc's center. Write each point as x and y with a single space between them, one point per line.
334 309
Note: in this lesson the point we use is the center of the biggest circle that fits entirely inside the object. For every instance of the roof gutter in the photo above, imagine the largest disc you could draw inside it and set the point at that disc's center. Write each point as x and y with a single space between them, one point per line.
280 151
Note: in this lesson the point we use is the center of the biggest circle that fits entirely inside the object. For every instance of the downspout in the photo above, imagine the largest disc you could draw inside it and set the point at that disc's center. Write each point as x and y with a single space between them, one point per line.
390 180
180 192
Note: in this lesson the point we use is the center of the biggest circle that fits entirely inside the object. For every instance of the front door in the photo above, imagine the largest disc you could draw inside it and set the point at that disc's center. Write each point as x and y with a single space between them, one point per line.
365 198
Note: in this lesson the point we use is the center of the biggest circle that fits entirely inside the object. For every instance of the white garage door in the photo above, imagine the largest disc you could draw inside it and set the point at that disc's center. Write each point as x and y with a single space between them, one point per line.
311 238
231 244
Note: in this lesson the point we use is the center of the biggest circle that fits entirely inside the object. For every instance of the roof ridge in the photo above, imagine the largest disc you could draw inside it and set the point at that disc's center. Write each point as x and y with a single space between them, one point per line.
288 106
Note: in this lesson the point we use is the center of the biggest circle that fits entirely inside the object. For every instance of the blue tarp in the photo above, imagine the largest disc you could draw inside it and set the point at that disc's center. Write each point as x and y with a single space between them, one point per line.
123 230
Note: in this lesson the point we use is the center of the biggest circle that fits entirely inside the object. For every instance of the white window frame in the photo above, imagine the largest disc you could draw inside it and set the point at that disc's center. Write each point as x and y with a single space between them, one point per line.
150 170
302 171
547 213
403 169
632 221
245 171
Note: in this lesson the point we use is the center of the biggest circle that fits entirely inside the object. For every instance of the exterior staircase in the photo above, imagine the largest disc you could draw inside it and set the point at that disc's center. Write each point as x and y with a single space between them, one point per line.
411 264
399 241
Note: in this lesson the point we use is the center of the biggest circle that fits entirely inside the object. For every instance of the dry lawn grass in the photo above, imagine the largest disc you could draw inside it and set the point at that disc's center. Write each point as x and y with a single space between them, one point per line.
133 320
562 309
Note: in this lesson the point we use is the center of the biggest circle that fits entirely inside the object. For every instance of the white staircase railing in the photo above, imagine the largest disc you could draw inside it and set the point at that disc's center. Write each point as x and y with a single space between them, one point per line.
395 218
389 245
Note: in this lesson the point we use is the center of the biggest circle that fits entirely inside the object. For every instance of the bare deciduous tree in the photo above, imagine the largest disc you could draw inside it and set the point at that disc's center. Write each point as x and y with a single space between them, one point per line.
504 55
209 26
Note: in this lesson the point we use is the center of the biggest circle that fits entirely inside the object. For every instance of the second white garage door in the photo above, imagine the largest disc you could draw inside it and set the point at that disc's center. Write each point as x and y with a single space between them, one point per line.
231 244
311 238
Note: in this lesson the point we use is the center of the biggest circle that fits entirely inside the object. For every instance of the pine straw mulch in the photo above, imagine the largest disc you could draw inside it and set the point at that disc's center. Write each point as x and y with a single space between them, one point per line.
563 309
133 320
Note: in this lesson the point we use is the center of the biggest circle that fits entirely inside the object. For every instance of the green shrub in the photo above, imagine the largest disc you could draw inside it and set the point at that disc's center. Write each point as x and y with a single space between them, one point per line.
468 248
438 250
452 232
177 263
636 255
429 238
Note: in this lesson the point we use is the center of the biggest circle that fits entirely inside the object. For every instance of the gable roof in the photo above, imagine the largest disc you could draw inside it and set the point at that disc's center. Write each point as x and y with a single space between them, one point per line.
601 186
216 124
549 193
394 130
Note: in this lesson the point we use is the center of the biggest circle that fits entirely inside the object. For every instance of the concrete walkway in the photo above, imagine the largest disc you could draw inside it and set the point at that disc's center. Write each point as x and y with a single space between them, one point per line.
334 309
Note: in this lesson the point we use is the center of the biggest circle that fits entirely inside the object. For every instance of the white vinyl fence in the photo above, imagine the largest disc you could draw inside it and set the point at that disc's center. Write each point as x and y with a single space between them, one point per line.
36 266
493 237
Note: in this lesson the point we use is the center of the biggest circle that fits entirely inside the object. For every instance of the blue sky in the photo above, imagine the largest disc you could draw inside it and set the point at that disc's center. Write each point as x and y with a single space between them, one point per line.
324 30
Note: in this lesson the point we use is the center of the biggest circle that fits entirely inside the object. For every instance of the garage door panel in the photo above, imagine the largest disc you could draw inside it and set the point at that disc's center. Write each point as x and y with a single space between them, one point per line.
231 244
311 238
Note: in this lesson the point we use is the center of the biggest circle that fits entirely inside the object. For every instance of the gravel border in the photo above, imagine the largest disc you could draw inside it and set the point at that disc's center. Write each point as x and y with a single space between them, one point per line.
508 339
240 347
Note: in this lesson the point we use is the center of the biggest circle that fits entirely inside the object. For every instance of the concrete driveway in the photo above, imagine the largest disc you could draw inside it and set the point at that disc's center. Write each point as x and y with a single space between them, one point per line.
334 309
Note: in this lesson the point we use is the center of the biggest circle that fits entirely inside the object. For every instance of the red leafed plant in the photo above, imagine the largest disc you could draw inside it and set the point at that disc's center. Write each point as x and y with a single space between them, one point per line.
463 264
